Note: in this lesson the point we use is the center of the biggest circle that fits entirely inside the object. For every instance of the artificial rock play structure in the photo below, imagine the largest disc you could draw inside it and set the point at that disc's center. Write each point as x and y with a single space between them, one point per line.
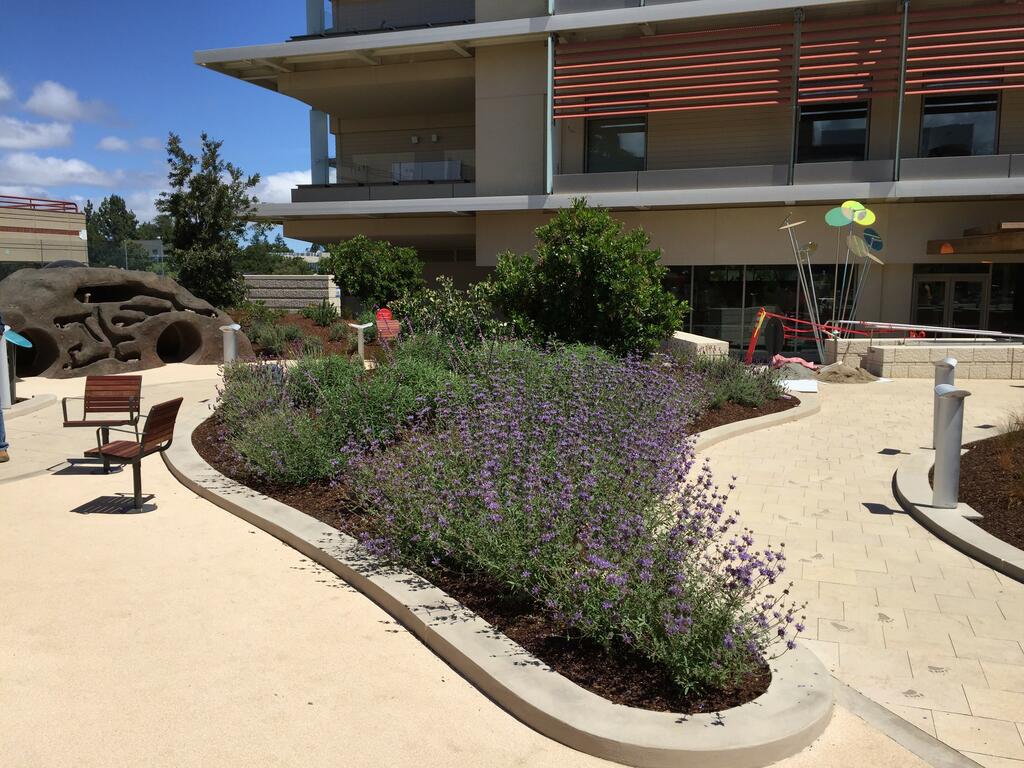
103 321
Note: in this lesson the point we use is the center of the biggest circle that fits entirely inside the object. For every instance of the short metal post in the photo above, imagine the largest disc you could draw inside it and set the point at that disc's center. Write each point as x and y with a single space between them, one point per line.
230 341
360 338
946 483
945 373
137 484
6 399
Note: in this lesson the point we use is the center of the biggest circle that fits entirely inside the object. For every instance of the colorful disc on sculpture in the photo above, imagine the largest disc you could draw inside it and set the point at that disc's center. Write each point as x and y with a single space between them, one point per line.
874 240
838 217
858 247
811 248
853 205
17 339
865 217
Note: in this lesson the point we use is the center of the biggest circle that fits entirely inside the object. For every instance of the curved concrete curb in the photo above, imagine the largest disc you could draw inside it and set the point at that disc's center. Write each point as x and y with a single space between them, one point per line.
810 404
31 405
788 717
914 492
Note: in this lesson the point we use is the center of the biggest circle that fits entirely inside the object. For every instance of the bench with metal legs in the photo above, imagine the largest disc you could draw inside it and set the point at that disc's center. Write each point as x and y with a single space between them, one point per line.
156 438
116 398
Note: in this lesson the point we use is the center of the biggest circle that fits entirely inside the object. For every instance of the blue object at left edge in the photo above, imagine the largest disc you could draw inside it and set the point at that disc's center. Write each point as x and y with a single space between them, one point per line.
17 339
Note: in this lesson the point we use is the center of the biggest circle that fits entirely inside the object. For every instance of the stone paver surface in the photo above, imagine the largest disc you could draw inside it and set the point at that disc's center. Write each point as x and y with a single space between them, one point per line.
185 637
893 611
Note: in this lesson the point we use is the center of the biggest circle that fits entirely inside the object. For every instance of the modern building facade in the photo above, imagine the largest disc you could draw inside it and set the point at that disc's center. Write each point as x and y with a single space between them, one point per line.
34 232
458 127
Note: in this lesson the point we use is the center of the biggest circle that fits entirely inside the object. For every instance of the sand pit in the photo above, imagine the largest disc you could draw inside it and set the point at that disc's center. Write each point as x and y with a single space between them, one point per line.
841 373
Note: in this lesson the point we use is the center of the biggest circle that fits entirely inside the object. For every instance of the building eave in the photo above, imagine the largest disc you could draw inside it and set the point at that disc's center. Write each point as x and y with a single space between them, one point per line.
803 194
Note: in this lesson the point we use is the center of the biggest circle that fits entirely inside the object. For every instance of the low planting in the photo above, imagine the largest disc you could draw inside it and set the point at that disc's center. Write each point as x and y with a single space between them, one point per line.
564 474
728 380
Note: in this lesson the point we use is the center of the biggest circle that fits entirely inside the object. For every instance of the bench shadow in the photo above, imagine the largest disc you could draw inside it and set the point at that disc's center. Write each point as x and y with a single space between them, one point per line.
881 509
121 504
84 467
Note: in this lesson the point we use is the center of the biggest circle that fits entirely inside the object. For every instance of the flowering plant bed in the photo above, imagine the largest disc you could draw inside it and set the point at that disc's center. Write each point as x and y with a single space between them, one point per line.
554 491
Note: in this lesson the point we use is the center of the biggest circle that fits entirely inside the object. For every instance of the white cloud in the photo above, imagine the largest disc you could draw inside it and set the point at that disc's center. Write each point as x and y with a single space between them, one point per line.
19 134
31 169
151 143
22 191
6 91
51 99
277 188
113 144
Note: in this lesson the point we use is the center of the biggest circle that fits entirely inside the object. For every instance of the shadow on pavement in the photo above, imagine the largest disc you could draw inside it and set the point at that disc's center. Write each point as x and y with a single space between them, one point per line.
121 504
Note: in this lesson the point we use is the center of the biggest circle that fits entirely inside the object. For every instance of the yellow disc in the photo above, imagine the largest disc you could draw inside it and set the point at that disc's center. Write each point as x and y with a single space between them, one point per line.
853 205
865 217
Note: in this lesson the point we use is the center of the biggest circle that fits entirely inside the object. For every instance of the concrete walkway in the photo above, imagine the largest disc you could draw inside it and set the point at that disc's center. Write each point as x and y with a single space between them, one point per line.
895 613
184 637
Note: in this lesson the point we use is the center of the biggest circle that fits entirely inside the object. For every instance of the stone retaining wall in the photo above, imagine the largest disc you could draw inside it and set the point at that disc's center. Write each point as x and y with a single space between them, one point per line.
291 292
914 358
692 344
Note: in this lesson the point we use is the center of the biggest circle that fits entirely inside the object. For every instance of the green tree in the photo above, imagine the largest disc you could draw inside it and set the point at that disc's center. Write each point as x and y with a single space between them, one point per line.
589 282
373 271
260 256
112 229
160 228
211 274
210 198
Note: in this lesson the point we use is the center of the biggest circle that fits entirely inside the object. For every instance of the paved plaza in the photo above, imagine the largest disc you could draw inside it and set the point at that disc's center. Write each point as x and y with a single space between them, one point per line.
895 613
184 636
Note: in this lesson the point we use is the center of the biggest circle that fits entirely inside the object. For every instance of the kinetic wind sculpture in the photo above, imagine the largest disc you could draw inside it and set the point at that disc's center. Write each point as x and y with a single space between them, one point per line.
848 283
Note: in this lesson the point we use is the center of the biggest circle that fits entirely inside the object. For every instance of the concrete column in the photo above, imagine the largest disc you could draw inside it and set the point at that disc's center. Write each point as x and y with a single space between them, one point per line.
319 156
945 373
946 483
314 17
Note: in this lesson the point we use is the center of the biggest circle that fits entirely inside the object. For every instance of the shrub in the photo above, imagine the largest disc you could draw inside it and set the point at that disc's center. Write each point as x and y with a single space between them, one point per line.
322 314
465 315
339 332
269 338
311 346
291 332
374 271
729 380
570 478
589 283
252 313
210 274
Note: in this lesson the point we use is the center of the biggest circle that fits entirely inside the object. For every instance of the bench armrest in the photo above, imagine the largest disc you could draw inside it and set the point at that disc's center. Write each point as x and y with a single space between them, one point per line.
64 406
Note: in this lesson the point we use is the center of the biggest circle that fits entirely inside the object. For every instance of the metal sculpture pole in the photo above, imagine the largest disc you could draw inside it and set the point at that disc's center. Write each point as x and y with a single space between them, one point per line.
945 373
810 297
6 400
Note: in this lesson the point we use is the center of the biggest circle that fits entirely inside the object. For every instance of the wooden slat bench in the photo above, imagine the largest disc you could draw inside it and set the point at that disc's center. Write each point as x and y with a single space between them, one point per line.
156 438
109 401
387 327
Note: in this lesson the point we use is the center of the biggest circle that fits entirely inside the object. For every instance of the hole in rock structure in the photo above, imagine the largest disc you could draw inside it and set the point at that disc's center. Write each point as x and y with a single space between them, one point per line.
43 354
178 342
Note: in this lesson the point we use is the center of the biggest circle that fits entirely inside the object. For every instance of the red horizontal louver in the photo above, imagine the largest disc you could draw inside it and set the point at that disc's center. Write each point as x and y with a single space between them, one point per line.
950 50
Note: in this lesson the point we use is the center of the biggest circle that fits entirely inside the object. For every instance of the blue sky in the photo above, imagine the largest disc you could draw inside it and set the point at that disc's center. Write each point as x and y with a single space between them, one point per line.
89 91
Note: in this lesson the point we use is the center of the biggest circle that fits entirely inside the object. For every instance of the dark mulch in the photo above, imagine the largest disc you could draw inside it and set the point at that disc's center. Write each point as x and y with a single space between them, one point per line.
732 412
992 481
619 675
309 328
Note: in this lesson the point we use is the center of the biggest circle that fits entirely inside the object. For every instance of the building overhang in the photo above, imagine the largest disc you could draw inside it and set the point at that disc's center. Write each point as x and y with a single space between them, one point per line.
264 64
802 194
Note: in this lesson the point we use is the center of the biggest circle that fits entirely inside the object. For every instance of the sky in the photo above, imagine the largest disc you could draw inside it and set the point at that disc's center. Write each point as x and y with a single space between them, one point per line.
89 91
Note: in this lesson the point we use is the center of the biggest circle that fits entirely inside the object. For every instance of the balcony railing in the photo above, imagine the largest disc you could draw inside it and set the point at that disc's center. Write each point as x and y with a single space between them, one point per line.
38 204
580 6
456 167
392 15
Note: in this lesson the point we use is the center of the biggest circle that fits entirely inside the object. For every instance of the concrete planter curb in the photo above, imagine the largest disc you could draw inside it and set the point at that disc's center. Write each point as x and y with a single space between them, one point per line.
914 493
810 404
788 717
31 405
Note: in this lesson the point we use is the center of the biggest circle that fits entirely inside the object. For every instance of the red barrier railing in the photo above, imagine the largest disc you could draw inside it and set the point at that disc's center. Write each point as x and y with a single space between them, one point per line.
38 204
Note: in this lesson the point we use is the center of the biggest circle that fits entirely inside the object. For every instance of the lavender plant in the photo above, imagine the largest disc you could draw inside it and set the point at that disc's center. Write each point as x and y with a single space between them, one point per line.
570 477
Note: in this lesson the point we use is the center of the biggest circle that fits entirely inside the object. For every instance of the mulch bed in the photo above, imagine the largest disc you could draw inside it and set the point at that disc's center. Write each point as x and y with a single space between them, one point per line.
992 481
619 676
732 412
309 328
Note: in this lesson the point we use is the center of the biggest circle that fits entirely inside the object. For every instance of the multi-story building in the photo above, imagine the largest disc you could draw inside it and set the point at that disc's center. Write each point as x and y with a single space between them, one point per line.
35 232
458 127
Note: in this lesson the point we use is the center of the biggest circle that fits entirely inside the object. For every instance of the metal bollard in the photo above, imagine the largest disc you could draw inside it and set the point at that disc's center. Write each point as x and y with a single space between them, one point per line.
230 341
6 398
945 373
946 484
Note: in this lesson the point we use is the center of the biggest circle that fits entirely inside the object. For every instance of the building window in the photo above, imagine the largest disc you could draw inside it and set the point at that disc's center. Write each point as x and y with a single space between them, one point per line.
616 144
954 126
831 132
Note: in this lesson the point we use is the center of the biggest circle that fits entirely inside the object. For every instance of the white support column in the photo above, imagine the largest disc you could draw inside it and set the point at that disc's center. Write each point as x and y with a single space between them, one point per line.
319 154
549 133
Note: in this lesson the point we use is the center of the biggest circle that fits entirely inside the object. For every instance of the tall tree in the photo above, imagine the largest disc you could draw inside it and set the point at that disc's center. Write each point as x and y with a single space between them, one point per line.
210 198
112 229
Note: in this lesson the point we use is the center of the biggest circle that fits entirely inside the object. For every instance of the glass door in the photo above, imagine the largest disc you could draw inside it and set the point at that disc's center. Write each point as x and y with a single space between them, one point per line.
951 301
930 301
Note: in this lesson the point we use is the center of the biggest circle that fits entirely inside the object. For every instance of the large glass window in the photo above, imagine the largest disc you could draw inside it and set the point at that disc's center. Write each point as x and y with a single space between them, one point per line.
830 132
718 303
959 125
616 144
